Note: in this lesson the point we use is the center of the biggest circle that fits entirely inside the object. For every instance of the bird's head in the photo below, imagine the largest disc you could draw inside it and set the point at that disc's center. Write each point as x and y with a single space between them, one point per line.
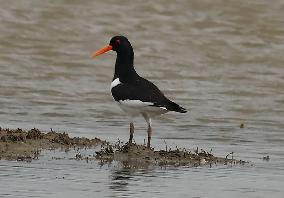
117 43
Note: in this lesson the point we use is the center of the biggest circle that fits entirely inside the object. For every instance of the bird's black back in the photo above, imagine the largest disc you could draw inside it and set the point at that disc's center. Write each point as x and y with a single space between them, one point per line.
141 89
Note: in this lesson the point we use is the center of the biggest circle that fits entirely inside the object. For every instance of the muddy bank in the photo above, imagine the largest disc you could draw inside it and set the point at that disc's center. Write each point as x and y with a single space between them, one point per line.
24 145
133 155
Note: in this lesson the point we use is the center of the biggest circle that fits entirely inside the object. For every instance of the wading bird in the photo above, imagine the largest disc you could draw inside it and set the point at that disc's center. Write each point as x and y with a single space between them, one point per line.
135 95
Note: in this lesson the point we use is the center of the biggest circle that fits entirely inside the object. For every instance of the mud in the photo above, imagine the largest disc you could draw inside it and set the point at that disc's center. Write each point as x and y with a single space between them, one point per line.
24 145
136 156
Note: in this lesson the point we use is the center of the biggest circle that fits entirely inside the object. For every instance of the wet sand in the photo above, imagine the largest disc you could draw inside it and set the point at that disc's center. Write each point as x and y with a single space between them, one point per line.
24 145
139 156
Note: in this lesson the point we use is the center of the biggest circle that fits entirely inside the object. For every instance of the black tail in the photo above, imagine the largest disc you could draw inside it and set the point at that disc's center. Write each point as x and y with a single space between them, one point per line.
175 107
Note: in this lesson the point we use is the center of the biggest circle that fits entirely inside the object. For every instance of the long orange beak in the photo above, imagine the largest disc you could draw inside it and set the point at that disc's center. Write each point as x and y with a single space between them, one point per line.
101 51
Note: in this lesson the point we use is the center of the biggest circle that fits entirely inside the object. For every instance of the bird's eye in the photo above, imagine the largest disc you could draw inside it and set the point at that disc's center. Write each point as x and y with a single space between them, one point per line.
117 42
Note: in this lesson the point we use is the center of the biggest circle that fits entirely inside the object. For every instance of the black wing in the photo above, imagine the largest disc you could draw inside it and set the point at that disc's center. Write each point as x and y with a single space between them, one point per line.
145 91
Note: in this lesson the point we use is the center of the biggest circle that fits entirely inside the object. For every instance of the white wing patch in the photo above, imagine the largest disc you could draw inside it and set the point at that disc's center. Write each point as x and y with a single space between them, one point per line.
135 103
114 83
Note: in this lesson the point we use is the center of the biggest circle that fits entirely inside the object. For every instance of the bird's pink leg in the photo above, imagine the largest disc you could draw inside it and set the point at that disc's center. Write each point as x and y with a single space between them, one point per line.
149 131
131 129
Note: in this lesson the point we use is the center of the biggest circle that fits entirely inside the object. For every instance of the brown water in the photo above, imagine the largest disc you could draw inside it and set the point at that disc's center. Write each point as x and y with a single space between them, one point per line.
222 60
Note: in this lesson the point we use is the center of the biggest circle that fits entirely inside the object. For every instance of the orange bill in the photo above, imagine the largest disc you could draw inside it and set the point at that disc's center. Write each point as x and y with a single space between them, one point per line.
101 51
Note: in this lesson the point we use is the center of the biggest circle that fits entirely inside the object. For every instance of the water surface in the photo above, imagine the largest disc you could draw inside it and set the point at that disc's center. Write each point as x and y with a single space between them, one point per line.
221 60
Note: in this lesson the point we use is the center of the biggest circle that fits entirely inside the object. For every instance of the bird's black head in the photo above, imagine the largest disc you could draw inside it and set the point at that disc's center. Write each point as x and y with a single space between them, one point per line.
124 68
120 44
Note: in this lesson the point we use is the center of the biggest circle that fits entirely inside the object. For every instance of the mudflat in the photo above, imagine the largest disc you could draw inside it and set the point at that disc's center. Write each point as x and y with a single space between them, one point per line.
18 144
21 145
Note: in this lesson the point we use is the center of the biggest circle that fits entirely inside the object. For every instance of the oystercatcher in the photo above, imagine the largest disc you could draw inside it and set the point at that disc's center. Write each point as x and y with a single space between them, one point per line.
135 95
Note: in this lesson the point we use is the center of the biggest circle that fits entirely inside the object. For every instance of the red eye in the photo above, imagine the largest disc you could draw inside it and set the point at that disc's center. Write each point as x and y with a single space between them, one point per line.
117 42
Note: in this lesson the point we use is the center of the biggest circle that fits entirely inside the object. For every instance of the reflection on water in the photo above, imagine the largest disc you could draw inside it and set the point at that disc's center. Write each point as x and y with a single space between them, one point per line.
120 179
222 60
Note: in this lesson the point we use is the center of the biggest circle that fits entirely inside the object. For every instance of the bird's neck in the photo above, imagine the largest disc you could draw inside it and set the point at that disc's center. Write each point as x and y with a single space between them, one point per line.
124 68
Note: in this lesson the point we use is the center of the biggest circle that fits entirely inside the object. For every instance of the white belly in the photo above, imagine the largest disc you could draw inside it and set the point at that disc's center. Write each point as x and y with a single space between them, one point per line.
136 108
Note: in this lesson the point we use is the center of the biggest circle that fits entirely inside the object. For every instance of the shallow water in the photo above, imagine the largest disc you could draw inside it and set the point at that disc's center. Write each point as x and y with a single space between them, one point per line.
222 60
